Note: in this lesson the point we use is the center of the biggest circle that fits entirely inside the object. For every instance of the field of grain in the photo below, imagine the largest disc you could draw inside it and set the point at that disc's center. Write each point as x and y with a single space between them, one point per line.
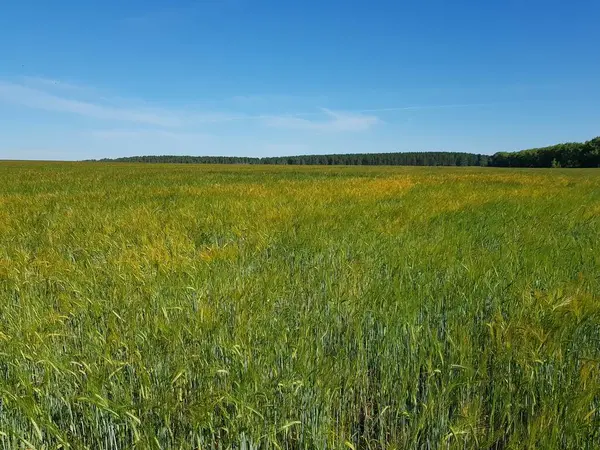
181 306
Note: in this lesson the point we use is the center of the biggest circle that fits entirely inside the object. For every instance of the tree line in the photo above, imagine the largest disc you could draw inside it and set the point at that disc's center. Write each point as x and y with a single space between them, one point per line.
573 154
366 159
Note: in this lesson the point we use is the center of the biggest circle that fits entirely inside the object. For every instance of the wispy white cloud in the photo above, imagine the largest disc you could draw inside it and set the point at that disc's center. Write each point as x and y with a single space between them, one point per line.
54 96
349 120
59 97
335 121
34 98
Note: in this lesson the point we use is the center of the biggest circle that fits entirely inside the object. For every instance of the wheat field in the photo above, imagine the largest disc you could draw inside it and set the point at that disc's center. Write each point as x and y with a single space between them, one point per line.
215 307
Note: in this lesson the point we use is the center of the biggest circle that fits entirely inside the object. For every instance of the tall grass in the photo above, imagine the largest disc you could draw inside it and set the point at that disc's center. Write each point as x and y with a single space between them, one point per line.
298 307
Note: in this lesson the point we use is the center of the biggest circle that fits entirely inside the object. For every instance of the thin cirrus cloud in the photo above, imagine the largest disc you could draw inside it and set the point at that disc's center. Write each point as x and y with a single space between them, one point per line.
335 121
59 97
55 96
35 98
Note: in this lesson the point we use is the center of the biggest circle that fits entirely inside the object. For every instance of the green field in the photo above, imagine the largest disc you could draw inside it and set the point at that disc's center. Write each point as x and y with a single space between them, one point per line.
186 306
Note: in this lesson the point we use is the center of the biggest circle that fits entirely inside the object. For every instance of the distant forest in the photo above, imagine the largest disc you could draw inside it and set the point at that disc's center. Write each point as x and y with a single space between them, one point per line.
586 154
573 154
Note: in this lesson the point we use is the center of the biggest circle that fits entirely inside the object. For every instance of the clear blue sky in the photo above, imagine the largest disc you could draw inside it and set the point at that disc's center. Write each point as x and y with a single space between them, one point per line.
249 77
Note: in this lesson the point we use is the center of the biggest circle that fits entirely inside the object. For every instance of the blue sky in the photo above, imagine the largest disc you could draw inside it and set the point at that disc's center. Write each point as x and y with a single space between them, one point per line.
85 80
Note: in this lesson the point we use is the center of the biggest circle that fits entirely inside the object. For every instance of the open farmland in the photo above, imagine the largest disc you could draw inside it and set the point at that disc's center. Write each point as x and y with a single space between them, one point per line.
185 306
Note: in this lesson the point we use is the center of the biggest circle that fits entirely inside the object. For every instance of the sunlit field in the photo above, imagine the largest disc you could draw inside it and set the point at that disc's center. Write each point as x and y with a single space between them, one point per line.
215 307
